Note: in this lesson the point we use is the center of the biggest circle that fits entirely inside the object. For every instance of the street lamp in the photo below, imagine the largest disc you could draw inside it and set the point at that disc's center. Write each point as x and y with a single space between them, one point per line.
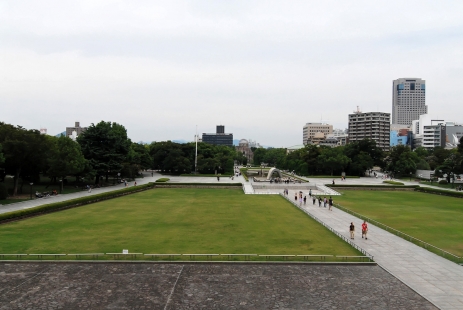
61 186
410 176
31 188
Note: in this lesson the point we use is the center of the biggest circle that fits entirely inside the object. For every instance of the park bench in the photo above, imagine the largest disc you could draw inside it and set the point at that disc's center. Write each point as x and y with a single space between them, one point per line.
285 257
322 256
246 256
18 256
93 255
354 256
171 256
117 255
208 256
40 256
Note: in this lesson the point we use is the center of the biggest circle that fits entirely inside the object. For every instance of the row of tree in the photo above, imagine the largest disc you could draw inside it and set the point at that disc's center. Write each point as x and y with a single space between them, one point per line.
103 150
358 157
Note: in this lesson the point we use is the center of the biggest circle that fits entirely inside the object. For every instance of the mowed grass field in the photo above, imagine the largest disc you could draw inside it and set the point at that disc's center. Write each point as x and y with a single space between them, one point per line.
176 221
435 219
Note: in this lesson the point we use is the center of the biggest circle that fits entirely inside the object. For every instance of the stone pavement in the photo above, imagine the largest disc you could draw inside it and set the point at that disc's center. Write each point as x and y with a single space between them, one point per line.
202 286
437 279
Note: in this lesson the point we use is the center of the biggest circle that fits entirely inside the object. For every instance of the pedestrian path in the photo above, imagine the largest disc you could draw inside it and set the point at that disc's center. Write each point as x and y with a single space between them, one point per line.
435 278
43 201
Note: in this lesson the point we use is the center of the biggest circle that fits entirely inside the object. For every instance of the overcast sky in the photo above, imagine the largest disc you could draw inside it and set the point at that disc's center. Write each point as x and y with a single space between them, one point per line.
261 68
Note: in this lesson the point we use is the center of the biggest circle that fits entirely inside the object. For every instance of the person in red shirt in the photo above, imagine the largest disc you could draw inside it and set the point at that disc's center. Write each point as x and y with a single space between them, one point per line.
364 229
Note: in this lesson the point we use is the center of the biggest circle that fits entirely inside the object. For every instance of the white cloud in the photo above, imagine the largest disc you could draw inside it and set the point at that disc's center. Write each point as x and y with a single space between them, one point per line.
261 68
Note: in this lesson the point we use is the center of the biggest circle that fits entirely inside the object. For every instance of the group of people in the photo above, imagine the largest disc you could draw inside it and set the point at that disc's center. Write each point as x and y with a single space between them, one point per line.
364 230
303 199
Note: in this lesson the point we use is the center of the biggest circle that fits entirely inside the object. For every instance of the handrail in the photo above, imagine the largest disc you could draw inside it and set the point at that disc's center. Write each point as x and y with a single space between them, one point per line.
398 232
331 229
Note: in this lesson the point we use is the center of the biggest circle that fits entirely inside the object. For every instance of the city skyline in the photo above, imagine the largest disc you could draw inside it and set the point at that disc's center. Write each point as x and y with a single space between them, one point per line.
263 69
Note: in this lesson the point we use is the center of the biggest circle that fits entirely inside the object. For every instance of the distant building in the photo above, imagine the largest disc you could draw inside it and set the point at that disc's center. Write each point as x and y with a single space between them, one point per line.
311 129
244 147
74 132
43 131
370 125
408 100
219 138
430 133
397 139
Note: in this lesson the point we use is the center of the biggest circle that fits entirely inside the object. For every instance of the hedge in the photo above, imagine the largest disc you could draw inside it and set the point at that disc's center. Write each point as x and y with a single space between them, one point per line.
51 207
243 173
205 175
436 191
162 180
393 182
331 177
372 186
200 184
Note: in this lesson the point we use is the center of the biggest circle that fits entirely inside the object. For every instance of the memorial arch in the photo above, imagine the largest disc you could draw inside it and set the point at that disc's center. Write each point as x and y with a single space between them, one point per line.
271 171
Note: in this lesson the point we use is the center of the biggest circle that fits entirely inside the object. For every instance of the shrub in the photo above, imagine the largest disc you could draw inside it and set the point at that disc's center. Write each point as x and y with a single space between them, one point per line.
443 182
436 191
393 182
162 180
3 191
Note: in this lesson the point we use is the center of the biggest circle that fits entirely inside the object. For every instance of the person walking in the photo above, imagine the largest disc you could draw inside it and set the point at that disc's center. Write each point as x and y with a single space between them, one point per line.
330 204
364 229
313 199
89 189
324 202
305 199
295 196
352 230
319 202
310 193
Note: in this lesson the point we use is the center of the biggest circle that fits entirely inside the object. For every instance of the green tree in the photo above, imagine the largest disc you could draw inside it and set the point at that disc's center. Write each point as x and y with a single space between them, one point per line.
259 155
25 153
106 146
364 155
333 159
451 166
2 158
65 158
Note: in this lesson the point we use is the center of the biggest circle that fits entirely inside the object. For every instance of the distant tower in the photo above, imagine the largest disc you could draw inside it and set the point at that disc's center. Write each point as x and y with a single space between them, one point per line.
220 129
408 100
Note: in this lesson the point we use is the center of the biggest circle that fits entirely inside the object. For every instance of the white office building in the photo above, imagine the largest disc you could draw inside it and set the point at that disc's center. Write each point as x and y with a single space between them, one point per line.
408 100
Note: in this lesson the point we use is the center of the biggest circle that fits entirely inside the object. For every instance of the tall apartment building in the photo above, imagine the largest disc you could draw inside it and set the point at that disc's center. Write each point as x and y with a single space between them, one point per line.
219 138
310 129
371 125
408 100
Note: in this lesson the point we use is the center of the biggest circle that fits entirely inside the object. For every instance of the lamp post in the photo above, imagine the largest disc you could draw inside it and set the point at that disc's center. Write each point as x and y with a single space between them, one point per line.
31 188
410 176
61 186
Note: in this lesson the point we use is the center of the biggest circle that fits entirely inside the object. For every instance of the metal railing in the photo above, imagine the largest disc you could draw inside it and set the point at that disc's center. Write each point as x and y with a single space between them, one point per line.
236 257
405 236
331 229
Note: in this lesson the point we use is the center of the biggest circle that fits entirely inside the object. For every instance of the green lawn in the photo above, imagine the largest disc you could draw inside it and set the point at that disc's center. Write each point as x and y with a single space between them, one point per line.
176 221
432 218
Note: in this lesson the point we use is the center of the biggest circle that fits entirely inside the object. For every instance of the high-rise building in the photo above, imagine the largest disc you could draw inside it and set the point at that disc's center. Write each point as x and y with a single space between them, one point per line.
219 138
371 125
310 129
408 100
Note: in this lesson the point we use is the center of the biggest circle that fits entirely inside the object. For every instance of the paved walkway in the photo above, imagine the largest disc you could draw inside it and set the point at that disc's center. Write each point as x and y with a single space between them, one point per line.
433 277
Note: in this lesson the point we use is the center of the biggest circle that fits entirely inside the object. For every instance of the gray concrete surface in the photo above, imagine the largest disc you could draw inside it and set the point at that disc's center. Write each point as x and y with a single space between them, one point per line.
202 286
